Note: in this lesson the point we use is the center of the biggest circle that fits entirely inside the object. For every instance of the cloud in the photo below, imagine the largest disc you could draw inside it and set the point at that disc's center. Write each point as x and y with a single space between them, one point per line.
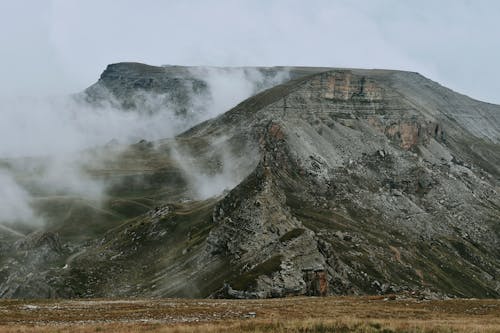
230 86
226 170
54 125
54 133
15 202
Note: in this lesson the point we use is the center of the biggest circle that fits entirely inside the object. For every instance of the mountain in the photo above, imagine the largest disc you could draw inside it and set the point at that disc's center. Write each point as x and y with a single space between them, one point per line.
337 181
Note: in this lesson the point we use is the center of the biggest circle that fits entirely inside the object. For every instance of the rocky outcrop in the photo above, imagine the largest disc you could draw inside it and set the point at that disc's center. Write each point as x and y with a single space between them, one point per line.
135 86
27 272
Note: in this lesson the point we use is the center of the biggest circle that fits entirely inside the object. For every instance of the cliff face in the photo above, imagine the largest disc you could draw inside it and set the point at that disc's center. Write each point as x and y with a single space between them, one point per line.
129 85
345 181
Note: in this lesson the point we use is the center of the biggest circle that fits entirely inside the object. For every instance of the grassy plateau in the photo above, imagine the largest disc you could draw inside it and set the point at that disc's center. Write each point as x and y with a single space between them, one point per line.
297 314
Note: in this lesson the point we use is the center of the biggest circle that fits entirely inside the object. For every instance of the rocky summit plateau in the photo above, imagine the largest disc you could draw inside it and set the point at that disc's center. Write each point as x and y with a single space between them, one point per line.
332 181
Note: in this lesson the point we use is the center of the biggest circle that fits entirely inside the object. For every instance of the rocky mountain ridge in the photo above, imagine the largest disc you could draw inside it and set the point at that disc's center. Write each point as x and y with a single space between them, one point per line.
380 181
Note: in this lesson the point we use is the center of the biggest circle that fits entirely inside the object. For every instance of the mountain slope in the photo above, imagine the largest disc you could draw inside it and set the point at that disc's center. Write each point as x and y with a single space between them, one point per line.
364 181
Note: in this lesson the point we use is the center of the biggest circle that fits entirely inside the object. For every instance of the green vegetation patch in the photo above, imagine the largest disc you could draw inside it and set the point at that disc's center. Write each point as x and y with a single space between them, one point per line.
292 234
248 280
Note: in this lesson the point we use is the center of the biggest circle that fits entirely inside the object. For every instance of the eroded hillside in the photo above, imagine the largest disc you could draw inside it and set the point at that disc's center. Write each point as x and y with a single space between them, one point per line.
377 181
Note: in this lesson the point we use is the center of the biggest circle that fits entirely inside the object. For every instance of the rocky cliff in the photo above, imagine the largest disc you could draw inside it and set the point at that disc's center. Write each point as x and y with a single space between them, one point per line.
344 181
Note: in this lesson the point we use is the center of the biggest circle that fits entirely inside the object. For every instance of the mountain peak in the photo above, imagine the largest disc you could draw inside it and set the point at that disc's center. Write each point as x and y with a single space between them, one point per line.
363 181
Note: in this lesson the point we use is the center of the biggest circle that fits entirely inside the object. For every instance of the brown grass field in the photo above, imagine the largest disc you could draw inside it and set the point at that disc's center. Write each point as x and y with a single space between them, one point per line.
298 314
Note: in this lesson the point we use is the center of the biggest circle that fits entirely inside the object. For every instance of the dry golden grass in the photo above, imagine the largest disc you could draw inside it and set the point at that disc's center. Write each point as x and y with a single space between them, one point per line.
299 315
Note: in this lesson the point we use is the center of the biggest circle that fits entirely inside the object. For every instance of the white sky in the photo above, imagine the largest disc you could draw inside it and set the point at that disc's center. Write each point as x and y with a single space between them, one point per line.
62 46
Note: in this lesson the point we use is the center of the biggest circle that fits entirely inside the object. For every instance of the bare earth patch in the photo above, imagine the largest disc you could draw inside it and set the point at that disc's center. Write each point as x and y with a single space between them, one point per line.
298 314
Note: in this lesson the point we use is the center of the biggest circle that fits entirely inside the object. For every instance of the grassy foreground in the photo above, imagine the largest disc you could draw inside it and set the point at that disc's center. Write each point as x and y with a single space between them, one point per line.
298 314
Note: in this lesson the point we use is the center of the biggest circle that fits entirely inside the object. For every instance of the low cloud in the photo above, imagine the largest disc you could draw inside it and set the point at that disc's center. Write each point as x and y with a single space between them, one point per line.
216 171
44 139
15 202
230 86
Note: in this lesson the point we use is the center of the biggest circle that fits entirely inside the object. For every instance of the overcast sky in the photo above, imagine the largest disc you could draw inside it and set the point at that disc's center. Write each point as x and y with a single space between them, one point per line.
62 46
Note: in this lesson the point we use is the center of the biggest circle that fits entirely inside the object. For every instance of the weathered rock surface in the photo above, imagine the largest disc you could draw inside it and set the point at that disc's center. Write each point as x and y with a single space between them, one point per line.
383 181
148 89
130 85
